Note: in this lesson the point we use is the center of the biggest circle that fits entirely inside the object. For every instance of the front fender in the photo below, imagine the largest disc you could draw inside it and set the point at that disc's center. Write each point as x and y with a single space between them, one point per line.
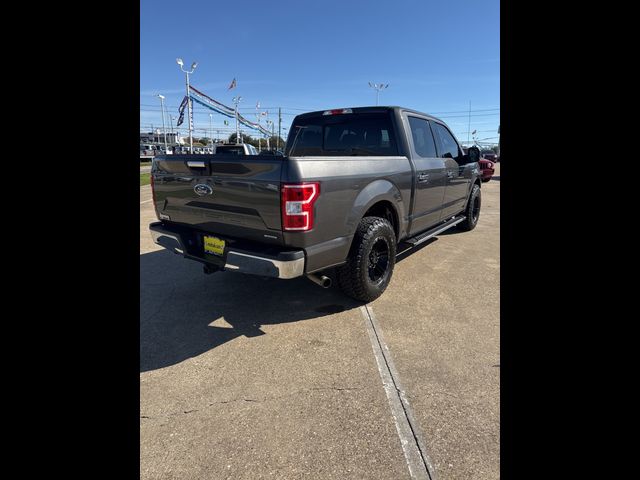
374 192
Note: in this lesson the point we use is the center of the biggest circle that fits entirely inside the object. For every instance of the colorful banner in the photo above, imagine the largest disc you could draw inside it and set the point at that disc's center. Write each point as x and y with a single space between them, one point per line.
208 102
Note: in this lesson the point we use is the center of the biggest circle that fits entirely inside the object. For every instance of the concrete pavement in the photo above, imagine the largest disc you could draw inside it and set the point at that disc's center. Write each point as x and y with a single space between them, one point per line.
245 377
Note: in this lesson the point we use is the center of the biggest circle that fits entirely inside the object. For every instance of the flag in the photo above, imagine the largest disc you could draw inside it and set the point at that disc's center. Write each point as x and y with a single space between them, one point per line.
232 85
182 104
181 108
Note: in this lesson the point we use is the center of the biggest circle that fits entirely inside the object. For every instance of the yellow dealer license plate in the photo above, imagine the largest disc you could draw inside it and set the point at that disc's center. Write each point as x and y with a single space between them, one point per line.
213 245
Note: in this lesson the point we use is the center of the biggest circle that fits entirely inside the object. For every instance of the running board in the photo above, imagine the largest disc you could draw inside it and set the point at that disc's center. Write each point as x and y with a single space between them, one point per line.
424 236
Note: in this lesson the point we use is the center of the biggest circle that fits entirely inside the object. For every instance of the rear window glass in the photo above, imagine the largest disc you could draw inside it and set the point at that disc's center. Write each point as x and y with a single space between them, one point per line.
358 134
238 150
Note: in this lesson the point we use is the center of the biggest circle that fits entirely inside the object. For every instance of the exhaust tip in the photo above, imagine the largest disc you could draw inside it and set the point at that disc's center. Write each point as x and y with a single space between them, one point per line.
322 280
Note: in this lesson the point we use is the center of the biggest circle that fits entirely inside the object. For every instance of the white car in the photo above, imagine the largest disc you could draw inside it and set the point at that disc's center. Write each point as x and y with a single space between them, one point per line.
237 148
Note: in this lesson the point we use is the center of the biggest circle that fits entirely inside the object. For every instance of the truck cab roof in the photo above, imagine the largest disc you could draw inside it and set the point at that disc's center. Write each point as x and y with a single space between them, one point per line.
368 110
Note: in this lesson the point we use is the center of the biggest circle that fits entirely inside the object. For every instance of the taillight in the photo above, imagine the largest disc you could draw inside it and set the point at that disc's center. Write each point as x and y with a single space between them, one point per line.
297 205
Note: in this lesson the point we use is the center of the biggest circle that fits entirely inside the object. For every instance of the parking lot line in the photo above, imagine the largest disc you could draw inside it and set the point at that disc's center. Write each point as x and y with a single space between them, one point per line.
420 467
146 201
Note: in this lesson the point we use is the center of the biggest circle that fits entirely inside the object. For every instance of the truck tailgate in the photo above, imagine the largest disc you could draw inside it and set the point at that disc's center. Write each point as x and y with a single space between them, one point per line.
231 195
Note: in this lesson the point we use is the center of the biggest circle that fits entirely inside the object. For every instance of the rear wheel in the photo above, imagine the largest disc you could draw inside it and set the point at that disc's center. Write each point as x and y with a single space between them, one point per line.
472 211
372 257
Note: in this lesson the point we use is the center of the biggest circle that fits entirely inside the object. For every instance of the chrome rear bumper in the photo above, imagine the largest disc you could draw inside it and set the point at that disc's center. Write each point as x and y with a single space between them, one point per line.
285 264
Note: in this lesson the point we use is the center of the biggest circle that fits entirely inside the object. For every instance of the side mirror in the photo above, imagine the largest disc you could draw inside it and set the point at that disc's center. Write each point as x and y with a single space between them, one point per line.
474 154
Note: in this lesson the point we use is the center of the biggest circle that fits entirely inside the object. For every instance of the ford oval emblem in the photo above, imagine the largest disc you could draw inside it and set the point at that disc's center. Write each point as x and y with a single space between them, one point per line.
203 189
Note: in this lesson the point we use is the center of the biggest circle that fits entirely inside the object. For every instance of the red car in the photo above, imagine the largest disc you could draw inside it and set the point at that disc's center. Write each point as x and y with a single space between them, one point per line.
489 155
486 166
487 169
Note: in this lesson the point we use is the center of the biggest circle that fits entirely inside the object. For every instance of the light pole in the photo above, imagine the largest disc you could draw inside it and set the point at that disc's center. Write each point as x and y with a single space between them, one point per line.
174 137
237 100
258 120
377 87
187 73
164 130
269 122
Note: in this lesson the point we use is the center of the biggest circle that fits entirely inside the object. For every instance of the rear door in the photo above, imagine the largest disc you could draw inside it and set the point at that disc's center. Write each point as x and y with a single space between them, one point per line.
430 177
226 194
457 179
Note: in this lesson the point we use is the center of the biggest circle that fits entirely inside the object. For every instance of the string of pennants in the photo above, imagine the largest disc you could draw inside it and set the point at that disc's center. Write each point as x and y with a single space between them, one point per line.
208 102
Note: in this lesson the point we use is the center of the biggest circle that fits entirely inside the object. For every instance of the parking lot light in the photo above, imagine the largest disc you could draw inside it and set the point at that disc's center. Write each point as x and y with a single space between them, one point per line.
187 73
377 87
164 129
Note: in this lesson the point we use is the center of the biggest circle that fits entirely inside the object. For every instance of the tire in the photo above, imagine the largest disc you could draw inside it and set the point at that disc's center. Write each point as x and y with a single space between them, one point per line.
472 211
373 244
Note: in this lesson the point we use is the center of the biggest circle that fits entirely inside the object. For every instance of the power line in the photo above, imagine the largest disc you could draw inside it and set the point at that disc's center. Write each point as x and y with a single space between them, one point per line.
154 108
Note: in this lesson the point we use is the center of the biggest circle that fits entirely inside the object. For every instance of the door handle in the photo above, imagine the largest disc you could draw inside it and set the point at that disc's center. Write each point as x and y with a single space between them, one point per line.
423 177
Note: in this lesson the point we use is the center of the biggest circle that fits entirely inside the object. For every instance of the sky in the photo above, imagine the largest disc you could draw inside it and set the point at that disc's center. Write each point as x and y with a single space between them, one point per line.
438 57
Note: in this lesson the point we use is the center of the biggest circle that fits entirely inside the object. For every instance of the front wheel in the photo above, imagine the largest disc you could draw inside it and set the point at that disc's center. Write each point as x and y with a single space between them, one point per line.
372 257
472 212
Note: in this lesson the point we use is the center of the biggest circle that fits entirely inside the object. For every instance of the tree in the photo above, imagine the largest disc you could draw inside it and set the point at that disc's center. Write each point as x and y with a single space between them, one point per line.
245 138
273 142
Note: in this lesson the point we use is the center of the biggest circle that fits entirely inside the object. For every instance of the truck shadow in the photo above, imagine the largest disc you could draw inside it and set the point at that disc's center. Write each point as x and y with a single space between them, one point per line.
184 313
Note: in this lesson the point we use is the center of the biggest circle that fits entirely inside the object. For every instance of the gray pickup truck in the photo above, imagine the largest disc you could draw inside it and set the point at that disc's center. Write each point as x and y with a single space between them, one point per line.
352 184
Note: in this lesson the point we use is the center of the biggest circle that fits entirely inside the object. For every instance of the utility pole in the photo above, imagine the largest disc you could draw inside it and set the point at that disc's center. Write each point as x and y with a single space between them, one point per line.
193 67
469 126
279 124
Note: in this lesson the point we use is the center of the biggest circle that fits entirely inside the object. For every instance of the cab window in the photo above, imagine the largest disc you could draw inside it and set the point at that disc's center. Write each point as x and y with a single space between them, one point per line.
423 143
